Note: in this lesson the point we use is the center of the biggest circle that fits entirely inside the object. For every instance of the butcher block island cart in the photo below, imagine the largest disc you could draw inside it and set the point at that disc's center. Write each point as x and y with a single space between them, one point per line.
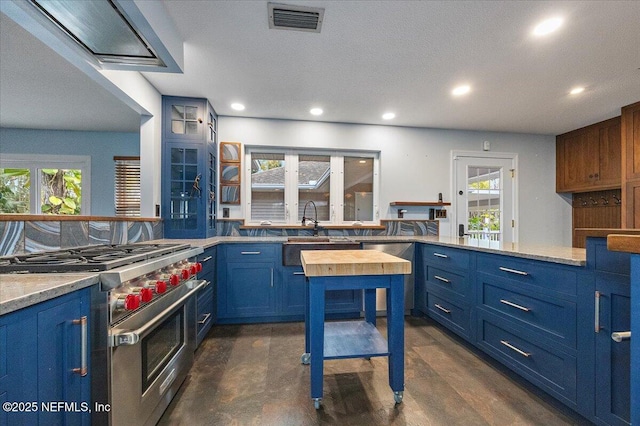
364 270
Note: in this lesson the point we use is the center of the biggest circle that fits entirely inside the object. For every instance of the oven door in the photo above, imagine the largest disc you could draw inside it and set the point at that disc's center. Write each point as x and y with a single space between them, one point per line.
151 353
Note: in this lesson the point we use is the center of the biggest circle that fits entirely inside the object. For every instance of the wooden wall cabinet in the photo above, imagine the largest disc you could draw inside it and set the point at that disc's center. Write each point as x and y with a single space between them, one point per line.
631 166
590 158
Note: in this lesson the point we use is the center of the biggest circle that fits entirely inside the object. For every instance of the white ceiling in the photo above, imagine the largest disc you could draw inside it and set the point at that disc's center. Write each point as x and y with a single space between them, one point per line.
406 56
371 57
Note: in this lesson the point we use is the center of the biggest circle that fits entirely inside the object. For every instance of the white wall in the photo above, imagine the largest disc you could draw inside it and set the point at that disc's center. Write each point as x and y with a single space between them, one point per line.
139 90
415 165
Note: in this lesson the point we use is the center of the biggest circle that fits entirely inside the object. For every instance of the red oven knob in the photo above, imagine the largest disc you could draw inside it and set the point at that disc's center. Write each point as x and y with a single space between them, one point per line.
161 286
185 274
146 294
198 267
193 269
174 279
131 302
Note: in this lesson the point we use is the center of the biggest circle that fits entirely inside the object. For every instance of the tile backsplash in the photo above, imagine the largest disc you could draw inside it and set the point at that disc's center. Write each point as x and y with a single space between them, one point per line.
18 237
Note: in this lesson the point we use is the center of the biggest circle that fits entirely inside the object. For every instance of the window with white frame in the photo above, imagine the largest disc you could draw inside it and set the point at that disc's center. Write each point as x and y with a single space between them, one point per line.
45 184
336 187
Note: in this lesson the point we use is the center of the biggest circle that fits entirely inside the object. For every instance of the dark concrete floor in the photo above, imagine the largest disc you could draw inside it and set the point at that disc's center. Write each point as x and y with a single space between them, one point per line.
251 375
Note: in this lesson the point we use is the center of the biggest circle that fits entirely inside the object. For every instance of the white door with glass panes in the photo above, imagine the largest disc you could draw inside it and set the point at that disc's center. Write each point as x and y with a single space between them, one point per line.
484 198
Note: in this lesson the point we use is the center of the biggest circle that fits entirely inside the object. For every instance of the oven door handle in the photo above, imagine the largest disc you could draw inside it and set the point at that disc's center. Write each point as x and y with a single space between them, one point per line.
128 338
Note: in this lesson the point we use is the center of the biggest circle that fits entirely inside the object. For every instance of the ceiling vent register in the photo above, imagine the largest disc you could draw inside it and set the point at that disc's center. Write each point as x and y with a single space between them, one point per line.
297 18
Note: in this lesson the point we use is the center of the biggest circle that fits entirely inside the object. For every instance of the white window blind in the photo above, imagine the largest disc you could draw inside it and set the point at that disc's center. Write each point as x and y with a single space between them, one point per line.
127 186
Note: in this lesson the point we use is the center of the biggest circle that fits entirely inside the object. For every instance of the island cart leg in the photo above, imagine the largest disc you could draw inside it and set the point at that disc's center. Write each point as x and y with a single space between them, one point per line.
306 356
395 335
316 336
370 306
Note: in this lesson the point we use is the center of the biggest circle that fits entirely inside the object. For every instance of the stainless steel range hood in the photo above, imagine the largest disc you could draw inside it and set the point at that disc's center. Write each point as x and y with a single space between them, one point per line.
102 29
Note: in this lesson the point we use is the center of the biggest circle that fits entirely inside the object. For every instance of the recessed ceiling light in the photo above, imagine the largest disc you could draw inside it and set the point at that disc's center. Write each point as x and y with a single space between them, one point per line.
388 116
363 161
576 90
461 90
237 106
547 26
316 111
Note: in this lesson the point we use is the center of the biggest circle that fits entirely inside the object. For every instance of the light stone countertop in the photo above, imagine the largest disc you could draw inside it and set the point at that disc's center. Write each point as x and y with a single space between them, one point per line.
18 291
555 254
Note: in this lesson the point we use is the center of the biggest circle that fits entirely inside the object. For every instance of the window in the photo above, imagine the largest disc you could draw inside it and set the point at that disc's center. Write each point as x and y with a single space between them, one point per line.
338 187
45 184
127 186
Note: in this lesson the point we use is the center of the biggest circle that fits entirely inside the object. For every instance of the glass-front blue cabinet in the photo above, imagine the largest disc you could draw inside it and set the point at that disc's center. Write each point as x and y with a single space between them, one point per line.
189 163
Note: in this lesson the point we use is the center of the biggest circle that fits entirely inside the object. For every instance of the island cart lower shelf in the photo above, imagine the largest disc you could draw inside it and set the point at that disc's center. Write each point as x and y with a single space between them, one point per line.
354 339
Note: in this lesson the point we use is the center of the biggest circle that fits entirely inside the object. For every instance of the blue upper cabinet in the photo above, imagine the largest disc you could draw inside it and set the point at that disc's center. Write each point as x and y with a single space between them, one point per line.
189 163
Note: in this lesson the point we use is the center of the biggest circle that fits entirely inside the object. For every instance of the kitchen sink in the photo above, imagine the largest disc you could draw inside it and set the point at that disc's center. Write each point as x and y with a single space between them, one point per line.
291 249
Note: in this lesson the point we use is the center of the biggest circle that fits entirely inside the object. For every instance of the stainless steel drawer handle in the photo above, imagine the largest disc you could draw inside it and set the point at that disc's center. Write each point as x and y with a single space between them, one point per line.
205 319
250 252
446 311
597 312
83 323
619 336
514 305
206 259
439 278
444 256
513 348
513 271
298 273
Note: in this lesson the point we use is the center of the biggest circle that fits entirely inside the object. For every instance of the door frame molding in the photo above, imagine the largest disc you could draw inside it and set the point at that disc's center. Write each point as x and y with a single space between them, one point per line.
455 154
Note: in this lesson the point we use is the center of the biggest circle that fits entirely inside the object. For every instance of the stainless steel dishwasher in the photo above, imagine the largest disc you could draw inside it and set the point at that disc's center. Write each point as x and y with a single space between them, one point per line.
403 251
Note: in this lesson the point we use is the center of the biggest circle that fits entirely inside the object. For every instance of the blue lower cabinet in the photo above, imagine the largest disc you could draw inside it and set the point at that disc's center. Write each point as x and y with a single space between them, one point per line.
611 307
205 312
453 314
41 362
253 286
248 290
543 363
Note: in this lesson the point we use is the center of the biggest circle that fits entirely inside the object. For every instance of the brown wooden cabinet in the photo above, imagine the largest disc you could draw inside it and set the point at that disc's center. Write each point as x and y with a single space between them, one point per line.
631 166
590 158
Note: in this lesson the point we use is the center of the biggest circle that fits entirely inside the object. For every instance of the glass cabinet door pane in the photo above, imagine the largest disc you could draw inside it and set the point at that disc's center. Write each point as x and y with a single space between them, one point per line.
191 128
191 113
177 127
177 172
177 112
191 156
177 155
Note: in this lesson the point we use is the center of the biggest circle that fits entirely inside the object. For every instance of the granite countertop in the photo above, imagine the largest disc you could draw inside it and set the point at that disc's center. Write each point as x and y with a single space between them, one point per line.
18 291
556 254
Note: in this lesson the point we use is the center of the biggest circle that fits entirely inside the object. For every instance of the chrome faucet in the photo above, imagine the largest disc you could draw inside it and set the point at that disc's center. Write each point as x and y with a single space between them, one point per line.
314 220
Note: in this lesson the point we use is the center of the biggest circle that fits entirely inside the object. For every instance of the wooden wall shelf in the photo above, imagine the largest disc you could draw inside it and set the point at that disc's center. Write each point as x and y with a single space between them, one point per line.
419 203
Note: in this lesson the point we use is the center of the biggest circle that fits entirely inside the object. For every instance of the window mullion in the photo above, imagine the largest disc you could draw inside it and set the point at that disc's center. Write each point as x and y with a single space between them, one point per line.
34 205
337 189
291 187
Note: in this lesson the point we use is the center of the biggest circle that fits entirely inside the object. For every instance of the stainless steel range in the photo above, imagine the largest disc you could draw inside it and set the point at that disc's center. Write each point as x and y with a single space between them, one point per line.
142 322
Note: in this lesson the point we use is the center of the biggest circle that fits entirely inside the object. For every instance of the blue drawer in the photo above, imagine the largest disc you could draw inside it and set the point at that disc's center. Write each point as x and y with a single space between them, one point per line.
603 260
446 257
547 366
553 318
251 252
544 275
205 313
454 282
454 315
